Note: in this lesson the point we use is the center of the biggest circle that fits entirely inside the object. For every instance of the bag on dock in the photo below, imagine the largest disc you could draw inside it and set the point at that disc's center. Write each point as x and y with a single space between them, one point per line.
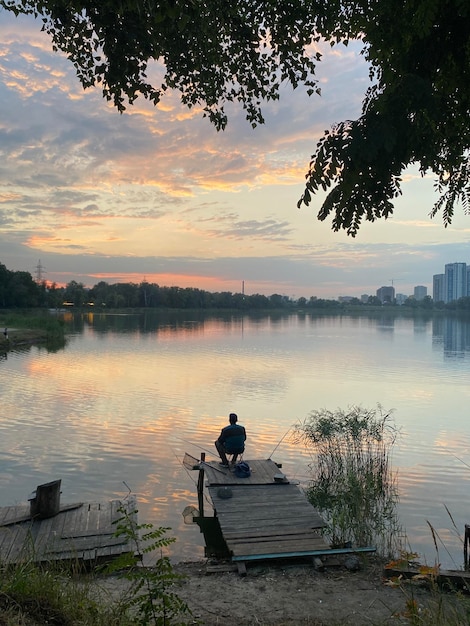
242 470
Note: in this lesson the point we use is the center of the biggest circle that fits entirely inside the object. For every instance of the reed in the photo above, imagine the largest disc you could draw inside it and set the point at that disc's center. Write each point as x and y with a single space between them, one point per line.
353 485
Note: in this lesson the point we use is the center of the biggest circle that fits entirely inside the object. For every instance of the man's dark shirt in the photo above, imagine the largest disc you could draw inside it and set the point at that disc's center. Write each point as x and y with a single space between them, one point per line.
233 438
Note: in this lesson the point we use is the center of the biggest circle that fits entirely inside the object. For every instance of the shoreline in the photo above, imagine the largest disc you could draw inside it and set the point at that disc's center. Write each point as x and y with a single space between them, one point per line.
288 594
22 337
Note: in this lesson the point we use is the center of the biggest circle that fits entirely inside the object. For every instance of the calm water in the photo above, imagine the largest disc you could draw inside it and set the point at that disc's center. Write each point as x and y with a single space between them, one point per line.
129 395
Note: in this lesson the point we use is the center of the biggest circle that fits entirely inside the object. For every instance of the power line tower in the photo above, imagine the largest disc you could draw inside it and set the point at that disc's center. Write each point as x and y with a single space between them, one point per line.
40 270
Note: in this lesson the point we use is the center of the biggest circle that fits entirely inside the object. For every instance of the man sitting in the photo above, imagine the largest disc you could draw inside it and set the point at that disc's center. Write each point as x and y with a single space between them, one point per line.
231 441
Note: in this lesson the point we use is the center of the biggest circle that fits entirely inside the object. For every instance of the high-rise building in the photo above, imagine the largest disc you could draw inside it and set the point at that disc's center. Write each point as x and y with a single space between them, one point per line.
420 292
455 281
386 295
438 287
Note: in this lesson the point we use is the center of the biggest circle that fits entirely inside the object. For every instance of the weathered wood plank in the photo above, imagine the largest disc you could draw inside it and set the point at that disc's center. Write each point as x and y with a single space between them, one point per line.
262 472
328 552
268 533
240 501
280 526
15 542
93 516
84 543
75 521
80 533
276 547
297 510
275 536
11 513
43 534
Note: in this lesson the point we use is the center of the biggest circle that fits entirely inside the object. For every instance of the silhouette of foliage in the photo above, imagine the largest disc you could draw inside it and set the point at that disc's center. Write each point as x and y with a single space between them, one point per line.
416 110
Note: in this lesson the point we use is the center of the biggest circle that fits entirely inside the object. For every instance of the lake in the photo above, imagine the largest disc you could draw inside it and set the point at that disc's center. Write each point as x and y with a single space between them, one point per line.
119 406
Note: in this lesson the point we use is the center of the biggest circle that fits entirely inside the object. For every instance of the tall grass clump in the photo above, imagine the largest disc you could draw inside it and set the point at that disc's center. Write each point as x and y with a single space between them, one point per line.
35 595
353 485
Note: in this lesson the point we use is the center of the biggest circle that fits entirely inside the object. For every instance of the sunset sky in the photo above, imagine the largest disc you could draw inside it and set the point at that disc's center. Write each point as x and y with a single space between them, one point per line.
159 194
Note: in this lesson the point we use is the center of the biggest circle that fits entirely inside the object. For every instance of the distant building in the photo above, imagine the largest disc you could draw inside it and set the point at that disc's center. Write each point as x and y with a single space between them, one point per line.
420 292
386 295
455 281
400 298
365 298
345 298
438 287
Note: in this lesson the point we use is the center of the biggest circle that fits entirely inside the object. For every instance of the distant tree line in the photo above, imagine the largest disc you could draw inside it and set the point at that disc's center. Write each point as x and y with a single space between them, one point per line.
18 290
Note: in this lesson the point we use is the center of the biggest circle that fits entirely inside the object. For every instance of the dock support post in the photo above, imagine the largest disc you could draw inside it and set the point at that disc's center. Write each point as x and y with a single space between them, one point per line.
466 543
200 486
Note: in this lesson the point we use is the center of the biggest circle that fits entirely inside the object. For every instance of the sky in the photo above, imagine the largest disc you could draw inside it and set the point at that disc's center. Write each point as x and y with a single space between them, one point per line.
157 194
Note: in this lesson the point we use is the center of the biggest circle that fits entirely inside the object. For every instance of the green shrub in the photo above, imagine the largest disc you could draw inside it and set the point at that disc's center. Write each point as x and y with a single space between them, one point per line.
151 594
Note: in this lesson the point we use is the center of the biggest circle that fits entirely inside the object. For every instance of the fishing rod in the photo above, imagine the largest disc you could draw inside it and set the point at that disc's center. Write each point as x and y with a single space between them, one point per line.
280 441
191 443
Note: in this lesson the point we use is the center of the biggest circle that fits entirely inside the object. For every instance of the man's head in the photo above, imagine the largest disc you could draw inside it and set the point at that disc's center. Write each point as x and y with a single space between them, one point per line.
233 418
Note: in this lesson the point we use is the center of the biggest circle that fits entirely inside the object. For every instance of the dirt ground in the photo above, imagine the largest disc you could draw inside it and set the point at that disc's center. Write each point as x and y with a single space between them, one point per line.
297 594
290 595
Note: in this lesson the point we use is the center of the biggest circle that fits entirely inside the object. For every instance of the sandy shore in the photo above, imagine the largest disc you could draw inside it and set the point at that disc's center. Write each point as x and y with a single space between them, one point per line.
290 595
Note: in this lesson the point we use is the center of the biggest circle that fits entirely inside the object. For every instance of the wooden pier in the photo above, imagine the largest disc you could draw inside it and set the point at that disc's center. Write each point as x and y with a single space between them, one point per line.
81 532
263 516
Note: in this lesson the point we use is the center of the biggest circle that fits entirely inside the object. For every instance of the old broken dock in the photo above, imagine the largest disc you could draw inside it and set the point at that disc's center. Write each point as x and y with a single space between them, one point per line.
263 516
46 531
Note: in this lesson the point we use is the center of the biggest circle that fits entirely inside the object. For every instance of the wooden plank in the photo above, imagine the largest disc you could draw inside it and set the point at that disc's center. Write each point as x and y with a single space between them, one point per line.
98 541
283 544
26 516
230 525
274 537
17 537
76 534
42 534
76 519
238 502
305 518
12 513
262 472
260 534
260 494
267 514
328 552
263 508
12 536
93 517
49 535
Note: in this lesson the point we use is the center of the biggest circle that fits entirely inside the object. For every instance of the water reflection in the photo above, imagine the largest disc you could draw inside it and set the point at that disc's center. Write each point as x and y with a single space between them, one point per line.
453 335
130 394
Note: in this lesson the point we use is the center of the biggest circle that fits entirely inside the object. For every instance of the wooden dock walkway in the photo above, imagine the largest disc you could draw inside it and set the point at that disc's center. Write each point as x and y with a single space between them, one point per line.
263 516
80 532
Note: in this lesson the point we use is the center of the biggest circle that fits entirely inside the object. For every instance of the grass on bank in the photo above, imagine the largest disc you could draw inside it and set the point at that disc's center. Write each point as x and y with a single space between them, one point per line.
19 329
